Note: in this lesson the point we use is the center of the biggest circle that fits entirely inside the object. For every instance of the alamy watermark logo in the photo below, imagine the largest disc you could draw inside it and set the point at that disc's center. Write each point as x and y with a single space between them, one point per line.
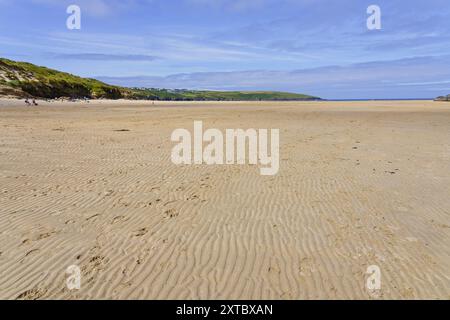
73 281
73 22
373 282
374 20
235 142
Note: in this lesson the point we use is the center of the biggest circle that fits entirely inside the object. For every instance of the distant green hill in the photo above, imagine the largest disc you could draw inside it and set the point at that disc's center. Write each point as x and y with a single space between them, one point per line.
192 95
22 79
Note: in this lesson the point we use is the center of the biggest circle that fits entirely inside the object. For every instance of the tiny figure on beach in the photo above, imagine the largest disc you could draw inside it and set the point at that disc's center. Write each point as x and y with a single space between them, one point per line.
35 103
27 102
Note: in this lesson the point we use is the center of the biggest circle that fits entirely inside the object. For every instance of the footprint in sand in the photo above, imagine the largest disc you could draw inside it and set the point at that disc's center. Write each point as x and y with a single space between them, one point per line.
45 235
193 197
171 213
140 232
118 219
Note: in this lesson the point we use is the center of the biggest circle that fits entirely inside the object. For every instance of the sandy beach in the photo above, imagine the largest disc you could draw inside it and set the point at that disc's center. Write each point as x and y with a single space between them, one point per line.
92 185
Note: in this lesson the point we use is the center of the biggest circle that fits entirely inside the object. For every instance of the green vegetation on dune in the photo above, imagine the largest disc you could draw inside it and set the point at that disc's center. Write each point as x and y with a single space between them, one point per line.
22 79
43 82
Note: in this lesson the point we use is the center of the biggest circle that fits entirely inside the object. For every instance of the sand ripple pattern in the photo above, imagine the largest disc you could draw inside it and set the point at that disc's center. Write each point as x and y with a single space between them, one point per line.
360 184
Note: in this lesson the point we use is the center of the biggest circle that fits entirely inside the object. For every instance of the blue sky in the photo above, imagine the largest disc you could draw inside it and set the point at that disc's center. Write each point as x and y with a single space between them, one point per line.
319 47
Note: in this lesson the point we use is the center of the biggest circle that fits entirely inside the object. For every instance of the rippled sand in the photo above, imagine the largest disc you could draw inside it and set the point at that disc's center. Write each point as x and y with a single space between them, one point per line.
360 184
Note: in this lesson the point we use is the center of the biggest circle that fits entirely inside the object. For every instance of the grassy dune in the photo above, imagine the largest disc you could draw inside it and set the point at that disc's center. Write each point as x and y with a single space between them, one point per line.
43 82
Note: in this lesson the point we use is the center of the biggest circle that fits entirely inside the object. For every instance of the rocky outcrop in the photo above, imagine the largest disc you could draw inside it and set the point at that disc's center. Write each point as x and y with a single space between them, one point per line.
443 98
